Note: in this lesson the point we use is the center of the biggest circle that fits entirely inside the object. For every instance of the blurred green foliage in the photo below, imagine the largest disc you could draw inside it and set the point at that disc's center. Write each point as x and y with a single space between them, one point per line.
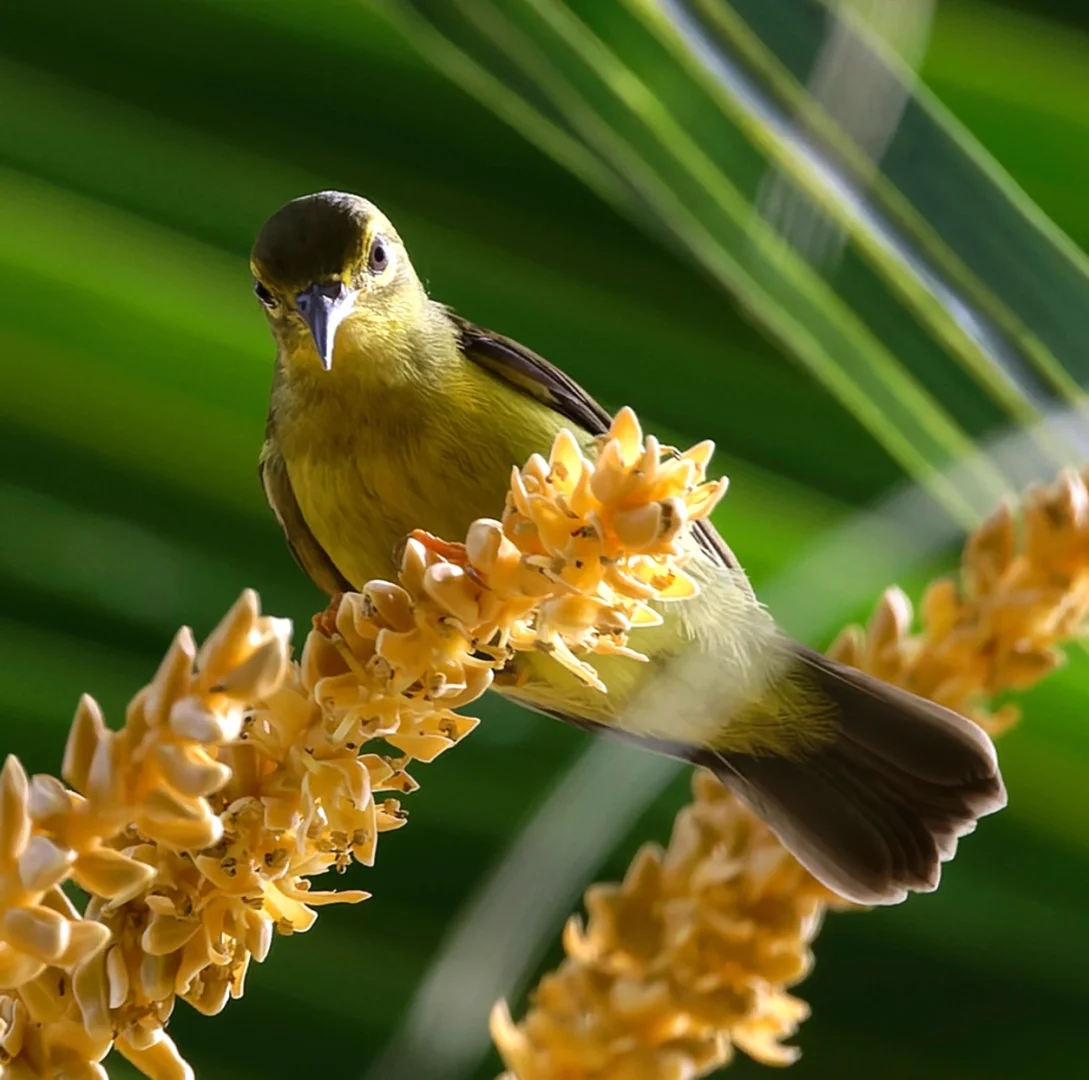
141 146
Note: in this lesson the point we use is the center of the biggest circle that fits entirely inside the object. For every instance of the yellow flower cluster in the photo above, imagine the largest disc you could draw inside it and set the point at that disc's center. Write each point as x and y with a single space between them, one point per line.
136 829
1023 592
692 955
684 960
239 775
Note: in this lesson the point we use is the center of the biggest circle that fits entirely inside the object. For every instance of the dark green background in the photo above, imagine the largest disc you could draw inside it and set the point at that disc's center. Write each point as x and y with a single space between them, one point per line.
141 146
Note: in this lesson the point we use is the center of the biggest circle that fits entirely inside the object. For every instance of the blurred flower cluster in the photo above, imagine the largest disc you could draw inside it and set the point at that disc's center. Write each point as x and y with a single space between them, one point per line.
688 957
1023 592
239 775
692 955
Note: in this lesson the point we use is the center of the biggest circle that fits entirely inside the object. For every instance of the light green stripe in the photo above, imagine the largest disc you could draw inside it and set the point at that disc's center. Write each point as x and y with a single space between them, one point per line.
895 271
461 69
627 87
883 192
727 270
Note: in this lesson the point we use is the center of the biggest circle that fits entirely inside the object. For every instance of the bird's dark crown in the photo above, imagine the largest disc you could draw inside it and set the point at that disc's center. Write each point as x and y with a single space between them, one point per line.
313 238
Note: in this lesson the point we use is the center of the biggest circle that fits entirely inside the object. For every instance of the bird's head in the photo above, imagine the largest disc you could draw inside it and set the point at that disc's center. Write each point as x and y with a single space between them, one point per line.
330 265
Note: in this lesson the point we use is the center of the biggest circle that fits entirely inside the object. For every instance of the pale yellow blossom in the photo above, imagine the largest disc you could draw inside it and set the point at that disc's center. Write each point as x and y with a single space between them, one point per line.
693 954
238 776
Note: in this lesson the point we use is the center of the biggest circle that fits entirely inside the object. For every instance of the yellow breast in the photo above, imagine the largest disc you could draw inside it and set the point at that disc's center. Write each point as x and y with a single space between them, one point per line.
370 462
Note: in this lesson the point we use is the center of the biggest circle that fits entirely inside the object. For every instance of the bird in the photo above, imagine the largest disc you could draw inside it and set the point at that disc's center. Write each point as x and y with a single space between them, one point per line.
389 412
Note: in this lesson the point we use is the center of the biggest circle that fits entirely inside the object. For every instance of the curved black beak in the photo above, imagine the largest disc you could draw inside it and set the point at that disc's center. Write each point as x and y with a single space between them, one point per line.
324 308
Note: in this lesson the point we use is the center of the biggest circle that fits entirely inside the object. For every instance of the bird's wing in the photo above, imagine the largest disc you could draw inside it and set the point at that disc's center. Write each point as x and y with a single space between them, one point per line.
534 375
309 554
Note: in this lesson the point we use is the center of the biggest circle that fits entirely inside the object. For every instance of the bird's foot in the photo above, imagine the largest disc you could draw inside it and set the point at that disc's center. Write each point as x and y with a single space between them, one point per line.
325 622
452 553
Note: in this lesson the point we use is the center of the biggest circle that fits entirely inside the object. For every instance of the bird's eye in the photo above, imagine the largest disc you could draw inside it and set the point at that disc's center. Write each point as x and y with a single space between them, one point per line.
379 257
264 295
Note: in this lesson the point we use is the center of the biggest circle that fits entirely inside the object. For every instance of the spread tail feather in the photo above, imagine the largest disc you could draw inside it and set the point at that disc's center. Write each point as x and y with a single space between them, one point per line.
874 813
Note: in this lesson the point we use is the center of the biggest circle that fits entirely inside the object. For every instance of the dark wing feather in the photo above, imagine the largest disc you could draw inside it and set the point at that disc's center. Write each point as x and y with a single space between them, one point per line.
531 374
534 375
309 554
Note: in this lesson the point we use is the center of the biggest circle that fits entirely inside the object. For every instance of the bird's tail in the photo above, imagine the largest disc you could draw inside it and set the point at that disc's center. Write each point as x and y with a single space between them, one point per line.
876 810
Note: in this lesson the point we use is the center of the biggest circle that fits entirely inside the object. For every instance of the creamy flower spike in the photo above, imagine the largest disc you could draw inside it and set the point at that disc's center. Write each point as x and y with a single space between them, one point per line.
1001 628
692 955
239 776
582 549
131 830
686 958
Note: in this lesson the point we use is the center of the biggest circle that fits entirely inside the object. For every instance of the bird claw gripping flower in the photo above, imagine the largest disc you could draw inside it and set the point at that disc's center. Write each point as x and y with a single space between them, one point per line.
239 775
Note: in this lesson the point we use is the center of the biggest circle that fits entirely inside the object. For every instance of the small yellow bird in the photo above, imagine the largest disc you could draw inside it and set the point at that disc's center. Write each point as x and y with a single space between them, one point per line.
389 413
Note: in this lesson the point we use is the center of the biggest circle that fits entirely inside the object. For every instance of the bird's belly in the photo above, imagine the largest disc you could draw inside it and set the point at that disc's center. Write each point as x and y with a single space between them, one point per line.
362 490
361 505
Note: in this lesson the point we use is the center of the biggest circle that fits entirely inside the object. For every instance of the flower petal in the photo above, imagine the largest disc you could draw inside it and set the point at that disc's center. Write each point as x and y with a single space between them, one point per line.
111 875
14 810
